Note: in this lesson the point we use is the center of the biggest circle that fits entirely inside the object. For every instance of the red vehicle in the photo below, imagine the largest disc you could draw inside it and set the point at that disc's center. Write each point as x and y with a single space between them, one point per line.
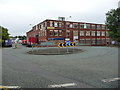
31 40
24 42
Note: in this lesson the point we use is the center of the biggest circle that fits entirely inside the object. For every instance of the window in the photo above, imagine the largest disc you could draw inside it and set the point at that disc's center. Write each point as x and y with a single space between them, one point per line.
93 41
75 25
60 32
98 27
103 27
81 33
93 33
88 26
106 28
98 33
102 33
55 24
93 27
56 32
51 32
87 33
98 41
87 41
107 34
67 32
51 24
71 26
82 41
68 25
103 41
81 25
85 25
60 24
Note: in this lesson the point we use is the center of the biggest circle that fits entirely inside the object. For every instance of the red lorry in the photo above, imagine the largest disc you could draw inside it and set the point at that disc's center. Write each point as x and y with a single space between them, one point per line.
31 40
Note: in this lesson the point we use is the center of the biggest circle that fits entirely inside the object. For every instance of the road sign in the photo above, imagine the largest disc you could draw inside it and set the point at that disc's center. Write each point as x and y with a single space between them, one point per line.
71 44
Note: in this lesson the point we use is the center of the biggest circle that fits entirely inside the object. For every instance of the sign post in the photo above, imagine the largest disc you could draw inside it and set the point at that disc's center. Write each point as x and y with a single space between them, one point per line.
67 44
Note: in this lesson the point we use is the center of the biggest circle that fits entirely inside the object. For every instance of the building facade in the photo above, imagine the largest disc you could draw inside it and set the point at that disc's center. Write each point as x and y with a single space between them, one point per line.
80 32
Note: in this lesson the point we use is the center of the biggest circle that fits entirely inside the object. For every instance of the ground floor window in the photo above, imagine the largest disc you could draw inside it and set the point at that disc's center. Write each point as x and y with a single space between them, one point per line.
87 41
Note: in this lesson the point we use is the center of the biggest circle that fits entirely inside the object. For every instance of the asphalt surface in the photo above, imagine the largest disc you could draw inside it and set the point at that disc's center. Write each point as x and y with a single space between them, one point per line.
86 69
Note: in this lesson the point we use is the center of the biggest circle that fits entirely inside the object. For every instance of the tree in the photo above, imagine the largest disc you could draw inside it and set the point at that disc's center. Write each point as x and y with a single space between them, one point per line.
113 23
21 37
4 35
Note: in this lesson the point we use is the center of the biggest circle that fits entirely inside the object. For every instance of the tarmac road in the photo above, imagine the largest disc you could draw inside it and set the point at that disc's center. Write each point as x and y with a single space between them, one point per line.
96 67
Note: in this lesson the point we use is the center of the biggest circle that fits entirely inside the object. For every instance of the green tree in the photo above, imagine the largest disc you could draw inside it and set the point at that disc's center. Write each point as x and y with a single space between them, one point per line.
113 23
4 35
21 37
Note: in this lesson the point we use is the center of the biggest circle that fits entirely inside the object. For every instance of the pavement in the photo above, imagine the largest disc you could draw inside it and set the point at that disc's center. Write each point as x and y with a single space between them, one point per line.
89 69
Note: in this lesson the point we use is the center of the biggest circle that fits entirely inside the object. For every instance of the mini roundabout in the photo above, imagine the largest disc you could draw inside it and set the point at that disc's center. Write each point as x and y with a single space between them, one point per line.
55 51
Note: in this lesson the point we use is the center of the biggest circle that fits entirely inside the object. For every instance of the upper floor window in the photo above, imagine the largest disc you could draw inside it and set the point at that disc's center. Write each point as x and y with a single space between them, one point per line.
93 27
98 27
75 25
88 26
81 25
93 33
81 33
51 32
55 32
107 34
98 33
55 24
103 27
60 24
51 24
103 33
71 26
60 32
87 33
67 32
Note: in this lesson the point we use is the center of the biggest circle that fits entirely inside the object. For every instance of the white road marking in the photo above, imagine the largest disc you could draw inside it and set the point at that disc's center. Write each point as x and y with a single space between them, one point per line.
62 85
111 79
10 86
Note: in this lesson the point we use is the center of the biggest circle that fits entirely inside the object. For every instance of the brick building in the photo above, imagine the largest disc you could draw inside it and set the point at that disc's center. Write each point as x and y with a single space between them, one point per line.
61 30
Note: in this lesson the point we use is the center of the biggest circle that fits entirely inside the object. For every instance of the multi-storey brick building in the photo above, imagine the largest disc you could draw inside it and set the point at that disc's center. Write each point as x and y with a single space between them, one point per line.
61 30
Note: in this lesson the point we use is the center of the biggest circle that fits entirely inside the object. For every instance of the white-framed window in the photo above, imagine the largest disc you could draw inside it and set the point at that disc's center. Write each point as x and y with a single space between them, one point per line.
67 32
71 26
55 24
87 33
81 25
88 41
88 26
75 25
107 34
103 33
81 33
98 33
60 32
60 24
51 23
51 32
82 41
98 27
85 25
103 27
93 33
93 27
55 32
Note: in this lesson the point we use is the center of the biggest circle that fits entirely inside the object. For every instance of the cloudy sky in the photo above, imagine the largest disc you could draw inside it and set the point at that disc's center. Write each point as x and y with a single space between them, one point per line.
17 15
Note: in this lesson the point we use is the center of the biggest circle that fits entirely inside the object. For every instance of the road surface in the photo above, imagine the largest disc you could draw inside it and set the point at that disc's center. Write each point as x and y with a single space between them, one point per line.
96 67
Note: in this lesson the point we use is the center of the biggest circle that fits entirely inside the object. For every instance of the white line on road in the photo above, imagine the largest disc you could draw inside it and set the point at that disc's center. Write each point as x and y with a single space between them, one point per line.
10 87
62 85
111 79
